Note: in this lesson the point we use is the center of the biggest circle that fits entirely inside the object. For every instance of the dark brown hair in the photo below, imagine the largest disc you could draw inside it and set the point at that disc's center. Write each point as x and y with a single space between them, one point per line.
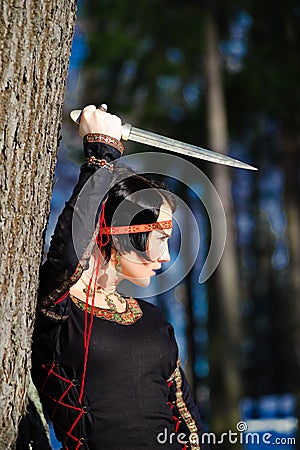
137 200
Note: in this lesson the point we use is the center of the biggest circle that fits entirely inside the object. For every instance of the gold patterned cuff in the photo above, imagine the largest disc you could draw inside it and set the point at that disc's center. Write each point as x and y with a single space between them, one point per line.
103 138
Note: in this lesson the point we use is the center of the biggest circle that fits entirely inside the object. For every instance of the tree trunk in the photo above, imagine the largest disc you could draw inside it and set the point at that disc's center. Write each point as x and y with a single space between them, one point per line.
35 48
224 306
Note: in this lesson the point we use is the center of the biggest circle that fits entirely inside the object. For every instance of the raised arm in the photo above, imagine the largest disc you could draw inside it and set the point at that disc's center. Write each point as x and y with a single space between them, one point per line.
101 133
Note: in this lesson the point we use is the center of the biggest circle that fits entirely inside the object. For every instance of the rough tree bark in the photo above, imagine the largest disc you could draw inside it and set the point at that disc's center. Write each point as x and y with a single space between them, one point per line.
224 308
35 48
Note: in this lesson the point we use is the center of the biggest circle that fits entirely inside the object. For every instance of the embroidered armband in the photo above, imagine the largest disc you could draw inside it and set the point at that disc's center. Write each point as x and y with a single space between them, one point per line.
103 138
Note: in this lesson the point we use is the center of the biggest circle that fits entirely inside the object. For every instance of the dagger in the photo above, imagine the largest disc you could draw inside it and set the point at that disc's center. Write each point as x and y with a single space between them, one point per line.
130 133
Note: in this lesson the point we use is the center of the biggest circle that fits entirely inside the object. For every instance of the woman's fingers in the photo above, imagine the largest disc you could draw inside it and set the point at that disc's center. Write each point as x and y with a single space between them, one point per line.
94 120
89 108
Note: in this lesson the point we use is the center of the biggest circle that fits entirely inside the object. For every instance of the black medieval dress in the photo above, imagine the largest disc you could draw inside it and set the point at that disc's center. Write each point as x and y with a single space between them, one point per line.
135 393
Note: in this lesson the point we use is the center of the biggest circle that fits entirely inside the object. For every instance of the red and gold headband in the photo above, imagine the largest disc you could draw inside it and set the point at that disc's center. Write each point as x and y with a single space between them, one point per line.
145 227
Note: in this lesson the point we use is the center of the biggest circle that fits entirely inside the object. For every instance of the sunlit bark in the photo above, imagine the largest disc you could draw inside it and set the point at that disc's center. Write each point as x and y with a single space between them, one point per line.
35 47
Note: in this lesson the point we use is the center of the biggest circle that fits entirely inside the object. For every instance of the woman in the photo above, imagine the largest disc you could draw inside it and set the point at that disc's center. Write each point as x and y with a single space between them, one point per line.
106 366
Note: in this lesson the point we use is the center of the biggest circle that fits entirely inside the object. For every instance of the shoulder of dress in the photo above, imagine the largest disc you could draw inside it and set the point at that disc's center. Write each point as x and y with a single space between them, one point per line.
150 308
147 305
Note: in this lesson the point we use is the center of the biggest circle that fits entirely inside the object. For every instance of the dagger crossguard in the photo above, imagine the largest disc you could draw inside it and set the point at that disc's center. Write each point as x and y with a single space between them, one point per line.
126 128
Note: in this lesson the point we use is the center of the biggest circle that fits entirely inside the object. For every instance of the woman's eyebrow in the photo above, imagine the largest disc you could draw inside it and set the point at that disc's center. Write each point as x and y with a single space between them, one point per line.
164 233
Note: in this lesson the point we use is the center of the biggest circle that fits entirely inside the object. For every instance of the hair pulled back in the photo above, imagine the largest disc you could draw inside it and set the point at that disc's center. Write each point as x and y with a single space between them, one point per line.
133 199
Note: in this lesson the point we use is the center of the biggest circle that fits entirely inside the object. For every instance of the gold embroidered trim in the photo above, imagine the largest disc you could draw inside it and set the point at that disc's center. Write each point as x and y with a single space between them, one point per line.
132 313
109 140
57 293
184 412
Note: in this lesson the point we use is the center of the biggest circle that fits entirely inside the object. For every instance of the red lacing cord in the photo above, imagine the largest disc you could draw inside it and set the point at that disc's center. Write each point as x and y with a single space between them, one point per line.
59 402
102 226
87 330
170 383
86 341
45 366
79 441
48 374
60 399
177 421
61 299
75 422
95 272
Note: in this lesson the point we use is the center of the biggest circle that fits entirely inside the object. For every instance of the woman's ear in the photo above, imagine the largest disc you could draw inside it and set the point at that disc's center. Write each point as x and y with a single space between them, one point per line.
113 254
115 259
114 249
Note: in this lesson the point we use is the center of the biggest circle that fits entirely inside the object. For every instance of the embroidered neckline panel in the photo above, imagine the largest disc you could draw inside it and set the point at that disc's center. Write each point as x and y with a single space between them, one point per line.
131 314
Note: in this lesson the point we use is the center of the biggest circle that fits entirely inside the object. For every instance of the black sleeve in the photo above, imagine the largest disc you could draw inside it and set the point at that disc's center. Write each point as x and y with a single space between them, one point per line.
76 225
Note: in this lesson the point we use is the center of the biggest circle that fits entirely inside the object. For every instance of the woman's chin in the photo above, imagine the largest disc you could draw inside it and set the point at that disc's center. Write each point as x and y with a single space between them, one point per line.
142 282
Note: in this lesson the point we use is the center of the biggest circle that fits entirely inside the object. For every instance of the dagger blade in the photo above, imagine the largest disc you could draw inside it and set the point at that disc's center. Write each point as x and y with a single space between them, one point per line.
130 133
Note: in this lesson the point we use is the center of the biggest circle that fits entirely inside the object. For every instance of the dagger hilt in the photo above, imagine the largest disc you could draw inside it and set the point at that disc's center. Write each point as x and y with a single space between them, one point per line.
126 127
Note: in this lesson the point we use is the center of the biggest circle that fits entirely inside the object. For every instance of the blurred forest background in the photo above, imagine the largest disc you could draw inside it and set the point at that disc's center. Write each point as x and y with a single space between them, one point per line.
223 75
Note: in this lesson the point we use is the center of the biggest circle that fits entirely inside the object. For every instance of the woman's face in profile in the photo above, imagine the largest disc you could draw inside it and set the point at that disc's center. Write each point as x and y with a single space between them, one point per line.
139 270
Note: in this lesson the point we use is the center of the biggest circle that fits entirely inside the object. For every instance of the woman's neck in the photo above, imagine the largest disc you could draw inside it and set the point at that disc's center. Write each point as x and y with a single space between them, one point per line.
105 276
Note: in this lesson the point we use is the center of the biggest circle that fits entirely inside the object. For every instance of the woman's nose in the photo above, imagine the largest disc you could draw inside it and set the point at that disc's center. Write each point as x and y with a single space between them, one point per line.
165 255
